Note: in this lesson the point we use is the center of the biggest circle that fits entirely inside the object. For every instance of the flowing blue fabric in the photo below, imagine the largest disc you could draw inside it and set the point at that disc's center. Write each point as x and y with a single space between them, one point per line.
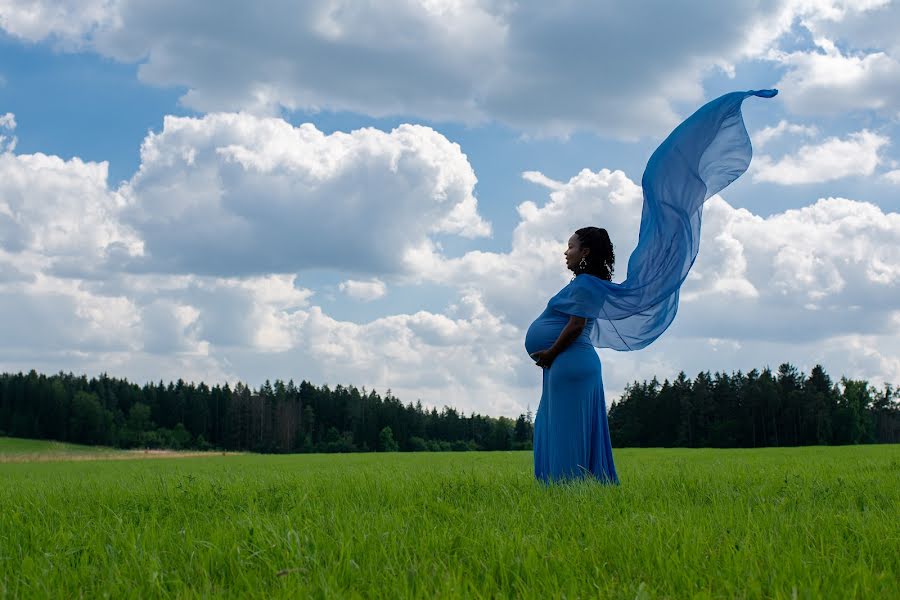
702 156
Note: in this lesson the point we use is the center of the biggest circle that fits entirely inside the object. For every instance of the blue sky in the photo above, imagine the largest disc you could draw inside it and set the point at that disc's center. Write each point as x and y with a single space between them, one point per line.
379 194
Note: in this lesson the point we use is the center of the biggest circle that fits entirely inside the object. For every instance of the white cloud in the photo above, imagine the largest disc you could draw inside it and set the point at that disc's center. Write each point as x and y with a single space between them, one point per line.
231 194
828 81
768 134
260 313
67 21
8 122
59 317
61 210
834 158
817 284
514 283
836 254
540 67
792 286
364 290
469 358
855 63
892 176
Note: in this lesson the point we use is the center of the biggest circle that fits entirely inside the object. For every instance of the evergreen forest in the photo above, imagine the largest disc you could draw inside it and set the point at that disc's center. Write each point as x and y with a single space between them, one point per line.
278 417
756 409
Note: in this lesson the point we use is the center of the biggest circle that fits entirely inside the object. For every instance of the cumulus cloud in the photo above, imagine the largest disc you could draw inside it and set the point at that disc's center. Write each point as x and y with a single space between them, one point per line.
8 122
769 134
792 285
823 271
892 176
364 290
835 255
66 21
543 68
46 315
854 64
804 285
230 194
61 210
516 283
73 299
834 158
195 267
469 357
828 81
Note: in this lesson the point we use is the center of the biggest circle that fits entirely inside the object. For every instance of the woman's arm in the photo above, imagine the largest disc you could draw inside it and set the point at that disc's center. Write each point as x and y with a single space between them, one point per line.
544 358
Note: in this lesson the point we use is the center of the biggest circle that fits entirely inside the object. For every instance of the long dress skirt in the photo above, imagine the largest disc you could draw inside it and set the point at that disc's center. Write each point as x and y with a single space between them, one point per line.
571 433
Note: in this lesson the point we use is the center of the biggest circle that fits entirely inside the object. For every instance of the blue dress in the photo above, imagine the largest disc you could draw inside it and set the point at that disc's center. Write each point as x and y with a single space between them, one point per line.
702 156
571 434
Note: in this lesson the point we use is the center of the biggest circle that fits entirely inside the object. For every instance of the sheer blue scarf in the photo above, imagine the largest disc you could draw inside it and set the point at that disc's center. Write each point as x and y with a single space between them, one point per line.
704 154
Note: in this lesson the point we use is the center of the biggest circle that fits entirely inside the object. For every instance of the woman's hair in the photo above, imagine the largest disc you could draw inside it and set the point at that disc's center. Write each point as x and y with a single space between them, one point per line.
601 260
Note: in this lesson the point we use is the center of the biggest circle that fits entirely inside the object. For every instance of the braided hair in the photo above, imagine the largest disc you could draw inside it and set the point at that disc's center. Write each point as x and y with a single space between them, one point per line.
601 260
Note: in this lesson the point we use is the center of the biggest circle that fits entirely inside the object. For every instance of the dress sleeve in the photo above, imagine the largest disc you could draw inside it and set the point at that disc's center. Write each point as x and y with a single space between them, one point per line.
581 298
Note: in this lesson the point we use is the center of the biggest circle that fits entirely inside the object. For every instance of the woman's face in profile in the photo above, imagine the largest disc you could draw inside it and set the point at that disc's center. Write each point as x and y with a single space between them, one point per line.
574 253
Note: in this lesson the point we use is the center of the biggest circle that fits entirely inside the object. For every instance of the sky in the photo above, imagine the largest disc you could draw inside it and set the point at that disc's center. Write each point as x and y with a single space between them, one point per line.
378 193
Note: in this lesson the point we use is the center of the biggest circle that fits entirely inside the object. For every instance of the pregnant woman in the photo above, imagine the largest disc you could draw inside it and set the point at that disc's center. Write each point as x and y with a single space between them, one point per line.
700 158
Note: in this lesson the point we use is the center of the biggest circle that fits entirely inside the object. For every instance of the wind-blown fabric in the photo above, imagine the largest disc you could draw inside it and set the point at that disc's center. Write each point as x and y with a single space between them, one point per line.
699 159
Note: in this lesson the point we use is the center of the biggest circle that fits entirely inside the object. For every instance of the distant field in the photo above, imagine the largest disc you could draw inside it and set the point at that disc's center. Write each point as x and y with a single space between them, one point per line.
774 523
22 450
10 445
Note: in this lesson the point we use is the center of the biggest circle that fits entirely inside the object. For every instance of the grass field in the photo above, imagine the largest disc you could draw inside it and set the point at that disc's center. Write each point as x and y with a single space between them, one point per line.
23 450
773 523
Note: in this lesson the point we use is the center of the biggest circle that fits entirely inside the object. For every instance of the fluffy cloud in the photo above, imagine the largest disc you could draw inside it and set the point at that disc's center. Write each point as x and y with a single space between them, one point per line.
518 283
854 66
824 271
364 290
74 300
803 283
234 194
58 317
834 256
470 357
66 21
544 68
834 158
769 134
828 81
60 210
812 284
8 122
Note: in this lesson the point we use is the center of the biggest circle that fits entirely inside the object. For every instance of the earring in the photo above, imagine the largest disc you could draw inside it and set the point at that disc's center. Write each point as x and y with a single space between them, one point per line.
583 264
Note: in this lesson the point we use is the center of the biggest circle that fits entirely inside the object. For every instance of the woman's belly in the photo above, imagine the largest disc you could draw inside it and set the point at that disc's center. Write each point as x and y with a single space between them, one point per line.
542 333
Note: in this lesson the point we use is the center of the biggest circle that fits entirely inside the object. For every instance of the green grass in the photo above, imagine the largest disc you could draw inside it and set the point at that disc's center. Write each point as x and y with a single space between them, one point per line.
774 523
25 450
18 446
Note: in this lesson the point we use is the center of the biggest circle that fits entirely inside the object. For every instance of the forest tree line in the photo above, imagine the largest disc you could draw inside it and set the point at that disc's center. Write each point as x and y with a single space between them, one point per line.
278 417
759 408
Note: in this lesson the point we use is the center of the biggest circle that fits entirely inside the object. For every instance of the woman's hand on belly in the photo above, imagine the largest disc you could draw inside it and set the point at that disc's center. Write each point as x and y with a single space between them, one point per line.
544 358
